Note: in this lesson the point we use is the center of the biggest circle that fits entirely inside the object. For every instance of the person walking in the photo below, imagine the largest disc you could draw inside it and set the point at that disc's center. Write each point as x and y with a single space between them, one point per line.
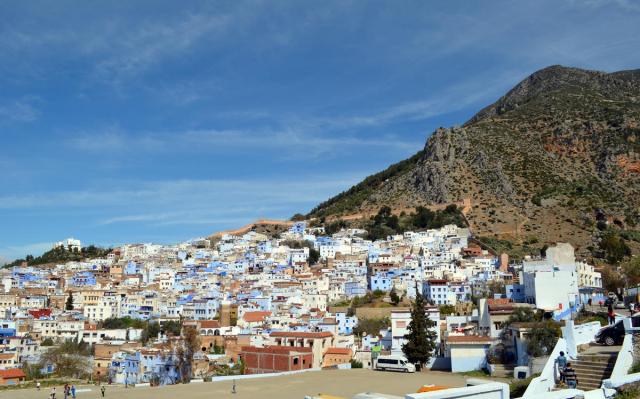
102 389
65 391
53 393
570 376
73 391
233 388
561 361
38 385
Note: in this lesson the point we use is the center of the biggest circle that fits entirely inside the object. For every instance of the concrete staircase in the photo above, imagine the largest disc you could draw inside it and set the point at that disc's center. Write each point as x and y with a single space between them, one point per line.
592 369
503 370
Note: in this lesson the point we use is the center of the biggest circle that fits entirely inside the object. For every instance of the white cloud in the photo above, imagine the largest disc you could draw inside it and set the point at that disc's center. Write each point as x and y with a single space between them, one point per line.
296 141
19 111
185 194
153 42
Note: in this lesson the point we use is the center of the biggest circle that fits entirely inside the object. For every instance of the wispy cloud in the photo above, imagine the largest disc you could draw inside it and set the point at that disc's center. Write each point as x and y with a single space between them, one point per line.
185 193
21 110
115 139
13 252
287 142
153 42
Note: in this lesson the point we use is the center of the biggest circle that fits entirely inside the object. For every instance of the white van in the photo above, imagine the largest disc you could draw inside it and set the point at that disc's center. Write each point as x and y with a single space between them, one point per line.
397 363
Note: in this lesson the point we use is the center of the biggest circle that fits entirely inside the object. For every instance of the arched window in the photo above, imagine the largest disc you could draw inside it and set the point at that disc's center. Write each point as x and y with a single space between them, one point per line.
216 332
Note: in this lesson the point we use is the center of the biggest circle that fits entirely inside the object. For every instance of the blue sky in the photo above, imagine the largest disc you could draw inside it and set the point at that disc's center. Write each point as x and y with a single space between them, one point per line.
154 121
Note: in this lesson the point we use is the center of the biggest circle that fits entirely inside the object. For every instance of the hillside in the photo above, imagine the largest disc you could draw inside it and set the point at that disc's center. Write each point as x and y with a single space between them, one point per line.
62 255
263 226
557 158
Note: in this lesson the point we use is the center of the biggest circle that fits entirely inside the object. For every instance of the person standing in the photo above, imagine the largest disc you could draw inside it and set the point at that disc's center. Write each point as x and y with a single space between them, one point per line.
53 393
102 389
73 391
570 376
611 316
65 391
38 385
561 361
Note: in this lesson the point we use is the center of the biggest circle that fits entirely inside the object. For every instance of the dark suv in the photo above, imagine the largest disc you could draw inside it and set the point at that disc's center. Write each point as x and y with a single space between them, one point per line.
611 335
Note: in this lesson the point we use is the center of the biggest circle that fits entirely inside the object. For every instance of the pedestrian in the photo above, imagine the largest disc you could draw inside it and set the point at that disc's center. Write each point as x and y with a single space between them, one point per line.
601 303
570 376
65 391
38 385
233 388
561 361
73 391
102 389
53 393
612 316
589 301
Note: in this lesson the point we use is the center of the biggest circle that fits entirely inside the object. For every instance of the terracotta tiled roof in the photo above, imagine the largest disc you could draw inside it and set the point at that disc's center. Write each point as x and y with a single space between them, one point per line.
300 334
338 351
12 373
276 349
209 324
498 301
252 317
468 339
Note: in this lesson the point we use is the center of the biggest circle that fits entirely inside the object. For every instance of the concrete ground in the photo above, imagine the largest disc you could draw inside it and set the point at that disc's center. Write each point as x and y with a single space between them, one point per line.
344 383
597 349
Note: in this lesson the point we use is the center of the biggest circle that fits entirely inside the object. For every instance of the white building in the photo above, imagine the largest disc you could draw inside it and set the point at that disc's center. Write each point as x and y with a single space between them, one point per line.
400 320
70 244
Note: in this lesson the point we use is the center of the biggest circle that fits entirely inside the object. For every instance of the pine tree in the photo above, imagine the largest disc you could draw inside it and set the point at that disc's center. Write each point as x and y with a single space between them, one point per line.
421 340
69 304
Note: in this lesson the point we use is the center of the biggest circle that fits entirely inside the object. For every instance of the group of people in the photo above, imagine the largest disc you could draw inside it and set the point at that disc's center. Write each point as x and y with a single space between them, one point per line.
566 372
69 390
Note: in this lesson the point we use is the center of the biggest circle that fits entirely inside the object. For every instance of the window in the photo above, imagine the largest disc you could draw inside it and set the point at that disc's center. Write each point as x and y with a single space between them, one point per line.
295 361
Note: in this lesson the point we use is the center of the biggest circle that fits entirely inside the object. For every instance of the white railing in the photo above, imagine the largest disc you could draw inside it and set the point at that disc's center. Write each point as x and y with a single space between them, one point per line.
620 374
579 335
475 388
547 379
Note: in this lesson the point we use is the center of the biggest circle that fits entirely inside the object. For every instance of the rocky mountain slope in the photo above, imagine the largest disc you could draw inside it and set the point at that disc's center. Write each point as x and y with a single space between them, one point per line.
555 159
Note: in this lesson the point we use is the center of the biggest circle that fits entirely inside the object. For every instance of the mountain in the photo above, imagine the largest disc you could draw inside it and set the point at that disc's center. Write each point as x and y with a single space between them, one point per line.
557 158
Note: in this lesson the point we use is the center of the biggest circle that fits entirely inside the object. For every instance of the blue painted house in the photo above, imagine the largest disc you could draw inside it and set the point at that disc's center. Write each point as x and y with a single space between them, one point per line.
83 279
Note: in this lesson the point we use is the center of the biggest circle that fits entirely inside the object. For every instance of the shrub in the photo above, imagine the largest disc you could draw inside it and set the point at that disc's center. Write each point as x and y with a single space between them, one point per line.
356 364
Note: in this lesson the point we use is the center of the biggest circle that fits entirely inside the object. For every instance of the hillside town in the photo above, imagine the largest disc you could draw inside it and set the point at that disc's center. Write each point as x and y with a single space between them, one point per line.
300 300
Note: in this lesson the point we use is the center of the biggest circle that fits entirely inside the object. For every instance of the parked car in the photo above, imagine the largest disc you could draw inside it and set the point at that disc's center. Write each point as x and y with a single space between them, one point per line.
611 335
396 363
619 305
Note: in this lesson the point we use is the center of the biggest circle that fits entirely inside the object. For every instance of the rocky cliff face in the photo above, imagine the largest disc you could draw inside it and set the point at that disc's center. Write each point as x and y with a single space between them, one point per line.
536 164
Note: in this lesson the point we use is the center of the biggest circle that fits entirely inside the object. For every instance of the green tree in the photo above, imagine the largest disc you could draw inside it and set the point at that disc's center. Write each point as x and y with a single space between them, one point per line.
69 303
421 340
631 270
314 256
395 298
614 247
150 332
446 310
371 326
70 359
612 279
542 339
298 217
